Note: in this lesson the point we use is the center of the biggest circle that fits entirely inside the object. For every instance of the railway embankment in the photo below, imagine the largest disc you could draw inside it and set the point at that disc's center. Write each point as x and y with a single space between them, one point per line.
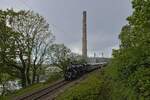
105 85
87 89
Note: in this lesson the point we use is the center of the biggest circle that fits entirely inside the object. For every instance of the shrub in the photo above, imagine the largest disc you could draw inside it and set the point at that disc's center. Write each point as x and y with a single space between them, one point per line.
140 81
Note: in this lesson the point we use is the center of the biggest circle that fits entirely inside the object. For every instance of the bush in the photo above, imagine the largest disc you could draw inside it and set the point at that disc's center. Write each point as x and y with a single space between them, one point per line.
54 76
140 81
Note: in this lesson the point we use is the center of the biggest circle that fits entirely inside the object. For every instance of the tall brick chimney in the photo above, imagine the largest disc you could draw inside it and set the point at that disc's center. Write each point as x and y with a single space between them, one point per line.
84 35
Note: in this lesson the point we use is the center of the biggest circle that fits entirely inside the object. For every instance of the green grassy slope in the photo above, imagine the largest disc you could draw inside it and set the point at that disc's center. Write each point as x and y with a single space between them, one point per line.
88 89
102 85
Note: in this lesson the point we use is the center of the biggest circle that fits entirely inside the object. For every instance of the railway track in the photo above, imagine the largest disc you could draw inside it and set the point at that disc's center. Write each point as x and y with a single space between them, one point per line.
49 91
43 92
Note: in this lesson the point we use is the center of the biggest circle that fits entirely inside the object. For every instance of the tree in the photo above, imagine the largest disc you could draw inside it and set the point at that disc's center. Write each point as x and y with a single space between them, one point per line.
77 58
25 50
60 56
7 46
132 60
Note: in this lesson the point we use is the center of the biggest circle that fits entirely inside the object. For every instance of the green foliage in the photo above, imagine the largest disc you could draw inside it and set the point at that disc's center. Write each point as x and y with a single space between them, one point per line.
77 59
54 77
114 87
60 55
24 40
140 80
130 65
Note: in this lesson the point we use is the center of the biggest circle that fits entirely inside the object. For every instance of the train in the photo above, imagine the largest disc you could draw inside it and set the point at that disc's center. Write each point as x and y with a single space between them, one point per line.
75 71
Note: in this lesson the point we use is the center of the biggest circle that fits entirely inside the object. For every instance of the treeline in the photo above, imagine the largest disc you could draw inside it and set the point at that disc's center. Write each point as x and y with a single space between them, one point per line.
27 49
128 75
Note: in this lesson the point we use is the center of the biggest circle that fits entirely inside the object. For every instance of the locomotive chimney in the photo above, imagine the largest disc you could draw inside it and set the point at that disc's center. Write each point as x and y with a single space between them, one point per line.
84 35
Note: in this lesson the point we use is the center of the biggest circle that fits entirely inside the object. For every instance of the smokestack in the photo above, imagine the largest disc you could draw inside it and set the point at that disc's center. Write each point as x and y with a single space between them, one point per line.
84 37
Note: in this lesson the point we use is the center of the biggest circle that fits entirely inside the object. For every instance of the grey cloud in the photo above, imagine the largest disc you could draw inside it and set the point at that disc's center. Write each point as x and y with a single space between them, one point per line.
105 19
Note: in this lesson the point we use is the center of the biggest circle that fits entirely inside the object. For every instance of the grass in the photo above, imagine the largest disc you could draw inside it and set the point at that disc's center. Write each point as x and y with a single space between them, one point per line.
88 89
24 91
99 86
53 78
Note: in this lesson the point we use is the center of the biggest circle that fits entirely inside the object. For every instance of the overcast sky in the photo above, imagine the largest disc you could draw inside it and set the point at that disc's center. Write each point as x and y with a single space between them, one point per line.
105 20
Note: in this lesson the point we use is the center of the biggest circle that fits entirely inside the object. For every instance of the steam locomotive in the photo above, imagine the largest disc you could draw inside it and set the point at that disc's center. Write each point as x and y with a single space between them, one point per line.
75 71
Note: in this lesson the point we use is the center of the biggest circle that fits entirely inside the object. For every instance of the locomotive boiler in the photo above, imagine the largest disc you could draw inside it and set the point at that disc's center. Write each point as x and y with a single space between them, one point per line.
75 71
